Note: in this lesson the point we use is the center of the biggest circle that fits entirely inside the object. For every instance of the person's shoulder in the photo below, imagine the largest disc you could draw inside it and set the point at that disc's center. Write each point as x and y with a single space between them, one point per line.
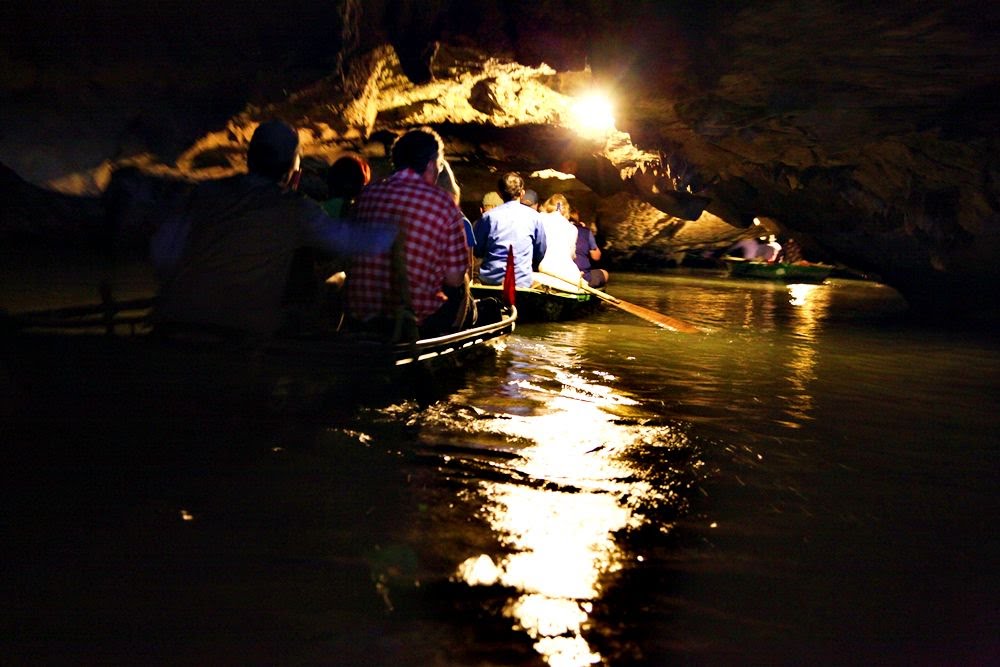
375 187
225 184
434 193
439 201
404 184
515 210
304 209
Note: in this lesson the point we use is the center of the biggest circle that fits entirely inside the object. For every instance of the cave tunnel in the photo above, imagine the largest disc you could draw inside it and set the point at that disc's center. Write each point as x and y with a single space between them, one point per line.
809 478
867 153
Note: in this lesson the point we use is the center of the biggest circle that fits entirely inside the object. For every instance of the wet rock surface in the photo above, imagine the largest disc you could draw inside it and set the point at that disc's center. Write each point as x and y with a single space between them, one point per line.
867 133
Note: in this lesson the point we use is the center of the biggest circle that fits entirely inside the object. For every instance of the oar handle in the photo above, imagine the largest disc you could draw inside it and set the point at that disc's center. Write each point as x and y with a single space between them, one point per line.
599 293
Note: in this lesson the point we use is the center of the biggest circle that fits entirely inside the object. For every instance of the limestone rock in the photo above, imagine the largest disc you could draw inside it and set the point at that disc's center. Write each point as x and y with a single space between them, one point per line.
868 131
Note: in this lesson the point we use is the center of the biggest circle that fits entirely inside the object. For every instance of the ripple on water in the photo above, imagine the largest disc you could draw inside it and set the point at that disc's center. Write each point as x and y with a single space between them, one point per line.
553 468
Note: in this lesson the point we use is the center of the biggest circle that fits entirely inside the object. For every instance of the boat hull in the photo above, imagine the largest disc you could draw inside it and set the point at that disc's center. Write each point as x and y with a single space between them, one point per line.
543 305
778 271
95 364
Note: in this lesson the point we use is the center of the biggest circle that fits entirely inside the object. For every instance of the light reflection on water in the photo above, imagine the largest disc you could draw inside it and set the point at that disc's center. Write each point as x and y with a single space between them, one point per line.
557 532
810 303
758 360
845 510
762 392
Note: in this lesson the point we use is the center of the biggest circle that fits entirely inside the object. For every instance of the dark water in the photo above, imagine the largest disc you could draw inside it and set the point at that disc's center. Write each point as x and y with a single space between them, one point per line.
814 479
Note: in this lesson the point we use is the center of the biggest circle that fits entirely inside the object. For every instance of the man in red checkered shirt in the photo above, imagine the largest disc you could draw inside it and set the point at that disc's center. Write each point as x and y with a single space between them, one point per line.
431 284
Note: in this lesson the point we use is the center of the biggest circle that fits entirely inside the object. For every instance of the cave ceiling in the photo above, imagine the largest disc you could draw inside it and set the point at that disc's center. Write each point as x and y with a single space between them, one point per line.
869 132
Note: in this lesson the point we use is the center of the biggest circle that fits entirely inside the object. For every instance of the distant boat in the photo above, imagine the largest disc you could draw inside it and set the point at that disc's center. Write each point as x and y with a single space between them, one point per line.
799 272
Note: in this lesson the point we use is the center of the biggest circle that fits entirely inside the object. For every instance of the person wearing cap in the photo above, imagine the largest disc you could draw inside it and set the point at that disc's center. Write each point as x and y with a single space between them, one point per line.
530 199
424 279
510 225
243 232
491 199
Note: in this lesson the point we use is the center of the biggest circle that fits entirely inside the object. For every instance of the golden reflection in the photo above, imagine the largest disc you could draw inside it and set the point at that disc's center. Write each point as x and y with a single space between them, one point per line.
559 529
811 304
800 294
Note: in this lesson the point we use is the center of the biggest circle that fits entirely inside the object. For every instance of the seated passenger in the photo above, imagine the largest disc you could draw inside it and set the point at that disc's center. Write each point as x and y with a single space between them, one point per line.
587 252
317 277
773 249
560 237
510 225
449 183
747 248
244 231
491 200
791 252
530 199
345 179
424 278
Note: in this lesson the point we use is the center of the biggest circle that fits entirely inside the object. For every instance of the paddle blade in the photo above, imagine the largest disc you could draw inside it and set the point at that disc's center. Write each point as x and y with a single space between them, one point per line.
508 278
659 319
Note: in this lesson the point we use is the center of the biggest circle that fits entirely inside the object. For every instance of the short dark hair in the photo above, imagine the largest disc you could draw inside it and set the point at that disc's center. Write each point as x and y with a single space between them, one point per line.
348 174
416 148
272 149
511 186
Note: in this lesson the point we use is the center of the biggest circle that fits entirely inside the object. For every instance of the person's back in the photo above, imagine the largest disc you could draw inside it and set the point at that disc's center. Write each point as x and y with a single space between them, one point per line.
435 254
510 225
241 241
587 252
244 232
747 248
774 249
560 238
791 252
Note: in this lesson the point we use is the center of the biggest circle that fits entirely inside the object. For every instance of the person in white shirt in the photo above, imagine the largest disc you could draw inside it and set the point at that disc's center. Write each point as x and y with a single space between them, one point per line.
560 255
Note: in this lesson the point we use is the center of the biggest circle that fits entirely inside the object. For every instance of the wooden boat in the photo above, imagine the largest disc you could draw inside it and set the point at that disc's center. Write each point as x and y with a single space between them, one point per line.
799 272
544 303
109 352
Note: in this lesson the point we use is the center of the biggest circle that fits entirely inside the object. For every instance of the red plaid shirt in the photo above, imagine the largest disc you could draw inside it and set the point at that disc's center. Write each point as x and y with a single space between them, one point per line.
435 245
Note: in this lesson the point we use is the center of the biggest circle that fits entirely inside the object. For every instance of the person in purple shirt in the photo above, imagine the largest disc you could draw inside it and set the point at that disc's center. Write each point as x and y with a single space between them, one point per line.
510 225
588 252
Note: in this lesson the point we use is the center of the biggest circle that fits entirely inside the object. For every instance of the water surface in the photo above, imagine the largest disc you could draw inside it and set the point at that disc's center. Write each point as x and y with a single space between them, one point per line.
813 478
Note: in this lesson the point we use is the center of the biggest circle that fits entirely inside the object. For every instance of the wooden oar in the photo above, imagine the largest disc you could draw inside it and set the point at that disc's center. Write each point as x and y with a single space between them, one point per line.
659 319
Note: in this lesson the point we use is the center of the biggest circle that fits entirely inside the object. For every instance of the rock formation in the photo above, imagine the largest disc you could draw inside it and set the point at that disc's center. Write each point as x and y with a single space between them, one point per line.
868 132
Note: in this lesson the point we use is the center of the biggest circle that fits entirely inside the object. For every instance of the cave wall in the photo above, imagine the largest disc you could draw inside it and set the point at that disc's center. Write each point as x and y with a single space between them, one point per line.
870 131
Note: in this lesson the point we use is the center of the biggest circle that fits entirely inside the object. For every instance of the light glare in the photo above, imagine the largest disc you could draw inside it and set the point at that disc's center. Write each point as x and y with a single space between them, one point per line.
593 114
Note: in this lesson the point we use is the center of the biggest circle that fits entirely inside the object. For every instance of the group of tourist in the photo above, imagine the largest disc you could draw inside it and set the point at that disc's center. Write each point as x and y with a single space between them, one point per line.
767 249
547 240
403 243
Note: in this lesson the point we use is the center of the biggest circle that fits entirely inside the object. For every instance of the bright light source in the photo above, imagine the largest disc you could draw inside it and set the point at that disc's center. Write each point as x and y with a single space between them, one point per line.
593 114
